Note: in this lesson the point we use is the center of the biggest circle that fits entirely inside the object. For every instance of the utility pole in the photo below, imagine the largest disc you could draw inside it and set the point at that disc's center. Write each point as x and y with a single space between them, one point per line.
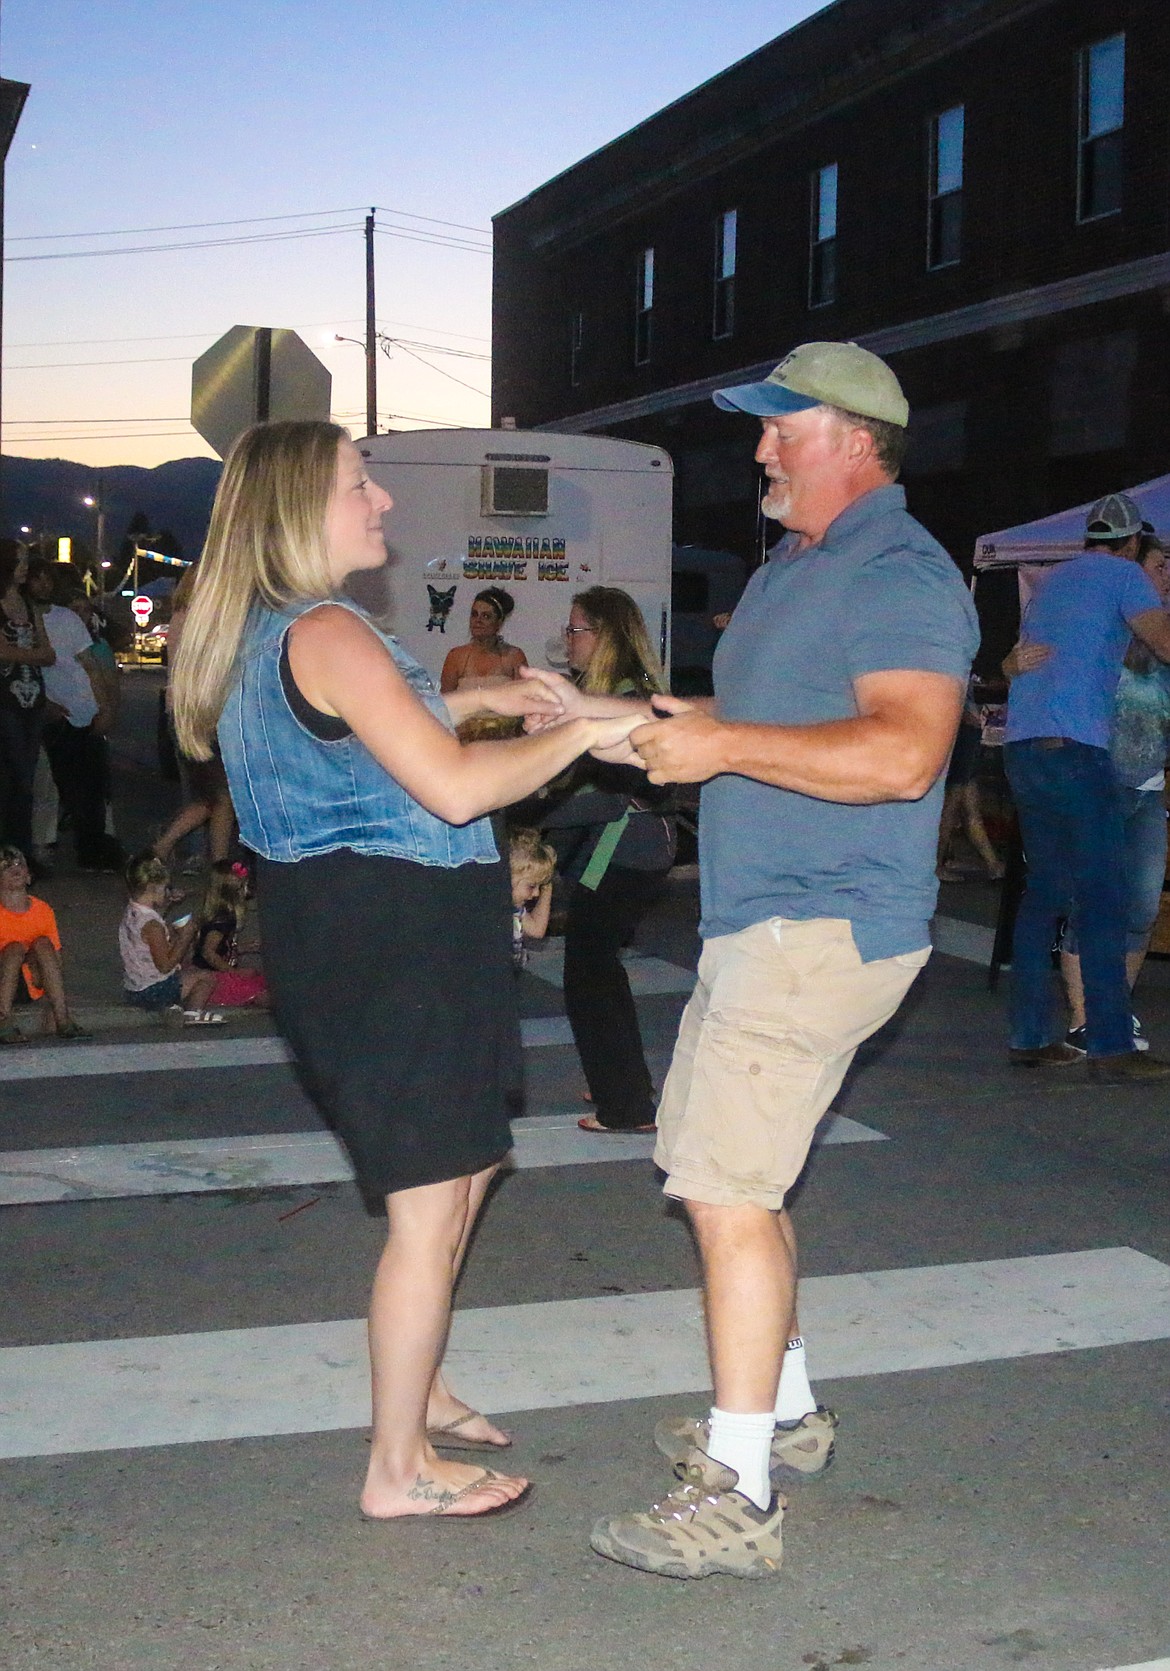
371 333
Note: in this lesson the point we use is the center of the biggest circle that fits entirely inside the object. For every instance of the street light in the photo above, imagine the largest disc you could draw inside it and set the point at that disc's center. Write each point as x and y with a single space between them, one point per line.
96 502
369 349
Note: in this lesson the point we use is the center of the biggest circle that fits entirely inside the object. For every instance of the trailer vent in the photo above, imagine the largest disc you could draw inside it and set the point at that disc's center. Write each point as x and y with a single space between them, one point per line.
510 490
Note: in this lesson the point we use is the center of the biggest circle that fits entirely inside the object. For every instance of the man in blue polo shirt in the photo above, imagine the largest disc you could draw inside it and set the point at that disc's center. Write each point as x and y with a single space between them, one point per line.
1056 756
838 688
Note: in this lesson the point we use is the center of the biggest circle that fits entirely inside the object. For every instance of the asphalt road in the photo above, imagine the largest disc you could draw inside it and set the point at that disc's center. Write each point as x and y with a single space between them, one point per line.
987 1306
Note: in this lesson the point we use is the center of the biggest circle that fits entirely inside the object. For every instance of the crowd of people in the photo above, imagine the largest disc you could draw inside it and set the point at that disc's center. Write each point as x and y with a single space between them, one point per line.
376 811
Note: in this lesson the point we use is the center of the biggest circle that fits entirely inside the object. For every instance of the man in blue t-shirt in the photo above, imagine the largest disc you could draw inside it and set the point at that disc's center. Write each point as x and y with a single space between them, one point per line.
1056 756
838 688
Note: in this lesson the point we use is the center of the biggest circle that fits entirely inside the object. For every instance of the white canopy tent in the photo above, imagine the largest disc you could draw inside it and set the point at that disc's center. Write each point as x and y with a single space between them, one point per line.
1053 539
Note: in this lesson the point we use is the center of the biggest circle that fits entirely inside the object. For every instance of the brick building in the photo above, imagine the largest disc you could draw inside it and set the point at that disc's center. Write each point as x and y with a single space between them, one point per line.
979 190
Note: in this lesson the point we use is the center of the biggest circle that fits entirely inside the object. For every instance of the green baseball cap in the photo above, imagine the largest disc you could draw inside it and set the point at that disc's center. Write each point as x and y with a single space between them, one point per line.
823 374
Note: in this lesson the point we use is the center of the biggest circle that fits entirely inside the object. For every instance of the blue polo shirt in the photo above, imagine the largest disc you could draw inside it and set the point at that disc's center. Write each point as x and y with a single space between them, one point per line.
1082 610
877 594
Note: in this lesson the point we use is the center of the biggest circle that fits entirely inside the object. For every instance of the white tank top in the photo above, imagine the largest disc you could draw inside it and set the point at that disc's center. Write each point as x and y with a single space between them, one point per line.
139 970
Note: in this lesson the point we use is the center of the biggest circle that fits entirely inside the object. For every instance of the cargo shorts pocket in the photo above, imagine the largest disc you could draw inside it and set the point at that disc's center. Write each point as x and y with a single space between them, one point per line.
760 1099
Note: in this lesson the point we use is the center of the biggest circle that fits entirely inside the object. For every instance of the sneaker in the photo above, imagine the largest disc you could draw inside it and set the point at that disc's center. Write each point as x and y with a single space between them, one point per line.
704 1526
806 1445
1129 1065
1140 1041
1075 1039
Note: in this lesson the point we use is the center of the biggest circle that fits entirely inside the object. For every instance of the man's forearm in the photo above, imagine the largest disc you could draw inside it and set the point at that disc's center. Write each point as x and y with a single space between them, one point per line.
859 762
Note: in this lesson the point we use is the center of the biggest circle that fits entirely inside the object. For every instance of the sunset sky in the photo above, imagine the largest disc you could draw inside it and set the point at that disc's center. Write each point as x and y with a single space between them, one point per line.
149 118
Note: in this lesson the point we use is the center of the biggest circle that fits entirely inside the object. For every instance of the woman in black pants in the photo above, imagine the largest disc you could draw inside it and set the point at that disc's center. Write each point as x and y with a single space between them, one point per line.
615 832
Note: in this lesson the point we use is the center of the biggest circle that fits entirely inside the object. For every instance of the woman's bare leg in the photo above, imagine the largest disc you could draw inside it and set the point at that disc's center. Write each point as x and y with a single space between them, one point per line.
947 825
221 829
443 1406
977 831
410 1310
187 818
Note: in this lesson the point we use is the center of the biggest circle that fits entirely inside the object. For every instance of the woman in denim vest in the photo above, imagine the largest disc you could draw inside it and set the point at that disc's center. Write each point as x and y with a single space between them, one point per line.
384 906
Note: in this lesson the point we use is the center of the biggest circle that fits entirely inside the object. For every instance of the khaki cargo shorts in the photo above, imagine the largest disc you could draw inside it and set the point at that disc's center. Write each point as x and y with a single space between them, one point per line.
765 1041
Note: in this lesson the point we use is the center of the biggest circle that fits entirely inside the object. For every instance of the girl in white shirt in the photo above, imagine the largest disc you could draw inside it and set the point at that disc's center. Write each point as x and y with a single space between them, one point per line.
153 950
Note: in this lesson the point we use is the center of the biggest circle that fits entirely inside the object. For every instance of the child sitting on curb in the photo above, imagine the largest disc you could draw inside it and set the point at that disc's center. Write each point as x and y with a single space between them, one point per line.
533 865
30 946
217 946
153 950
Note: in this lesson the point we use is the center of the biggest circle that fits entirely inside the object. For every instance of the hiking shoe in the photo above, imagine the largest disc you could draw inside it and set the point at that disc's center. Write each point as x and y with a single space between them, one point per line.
806 1445
1076 1039
1047 1056
704 1526
1140 1041
1128 1066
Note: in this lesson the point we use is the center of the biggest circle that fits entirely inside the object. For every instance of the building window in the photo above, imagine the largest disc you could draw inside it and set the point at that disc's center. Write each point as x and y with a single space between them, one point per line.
822 265
1102 119
945 227
644 312
576 343
723 314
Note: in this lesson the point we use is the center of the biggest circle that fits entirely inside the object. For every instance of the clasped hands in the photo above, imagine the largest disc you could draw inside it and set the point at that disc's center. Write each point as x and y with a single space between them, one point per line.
684 745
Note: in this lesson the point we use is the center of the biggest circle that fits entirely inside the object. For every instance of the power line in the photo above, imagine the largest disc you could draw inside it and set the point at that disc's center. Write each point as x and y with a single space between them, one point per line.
172 359
193 336
192 243
408 235
440 348
70 365
247 220
27 423
400 344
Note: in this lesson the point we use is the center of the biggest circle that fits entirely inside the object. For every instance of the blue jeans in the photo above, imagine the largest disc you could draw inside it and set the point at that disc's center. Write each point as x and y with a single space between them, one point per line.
1069 803
1144 813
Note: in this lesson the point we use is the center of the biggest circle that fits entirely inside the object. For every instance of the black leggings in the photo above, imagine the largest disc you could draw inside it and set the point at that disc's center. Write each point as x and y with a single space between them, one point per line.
598 1000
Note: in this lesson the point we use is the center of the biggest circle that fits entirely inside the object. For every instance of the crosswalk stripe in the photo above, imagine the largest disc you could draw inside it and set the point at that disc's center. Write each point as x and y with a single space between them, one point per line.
108 1171
969 941
69 1061
1146 1665
312 1377
648 976
652 976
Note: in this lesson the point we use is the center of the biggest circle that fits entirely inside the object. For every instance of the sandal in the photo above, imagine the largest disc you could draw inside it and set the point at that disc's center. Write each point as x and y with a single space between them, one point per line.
203 1018
10 1033
587 1122
448 1437
447 1505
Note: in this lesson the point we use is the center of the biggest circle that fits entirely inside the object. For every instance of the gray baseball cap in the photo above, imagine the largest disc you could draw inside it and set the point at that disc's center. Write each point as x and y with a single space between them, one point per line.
1116 517
823 374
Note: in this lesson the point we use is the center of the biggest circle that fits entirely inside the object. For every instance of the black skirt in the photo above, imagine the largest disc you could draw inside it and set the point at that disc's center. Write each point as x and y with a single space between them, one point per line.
392 983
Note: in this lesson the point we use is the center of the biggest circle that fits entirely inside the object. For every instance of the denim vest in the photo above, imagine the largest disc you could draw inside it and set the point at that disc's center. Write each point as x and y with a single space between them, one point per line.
296 795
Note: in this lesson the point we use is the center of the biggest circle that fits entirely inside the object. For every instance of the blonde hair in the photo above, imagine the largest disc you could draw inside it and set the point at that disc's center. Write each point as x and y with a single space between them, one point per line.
181 596
623 654
266 544
531 856
227 889
145 870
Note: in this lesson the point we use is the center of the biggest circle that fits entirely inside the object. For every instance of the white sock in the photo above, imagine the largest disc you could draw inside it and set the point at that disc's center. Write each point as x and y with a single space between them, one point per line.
744 1443
794 1397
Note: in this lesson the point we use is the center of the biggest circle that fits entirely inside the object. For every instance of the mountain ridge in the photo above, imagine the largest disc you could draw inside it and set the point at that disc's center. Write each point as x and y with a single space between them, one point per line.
46 494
